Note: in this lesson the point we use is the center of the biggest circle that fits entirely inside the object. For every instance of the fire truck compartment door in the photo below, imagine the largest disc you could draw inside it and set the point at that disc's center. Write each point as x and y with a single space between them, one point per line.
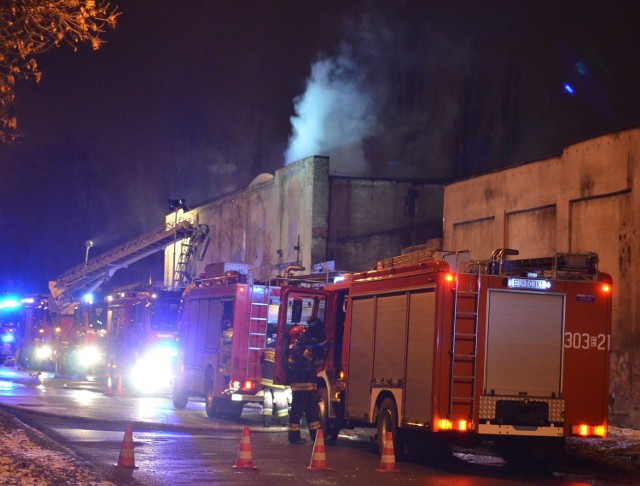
202 339
524 344
401 329
360 357
420 343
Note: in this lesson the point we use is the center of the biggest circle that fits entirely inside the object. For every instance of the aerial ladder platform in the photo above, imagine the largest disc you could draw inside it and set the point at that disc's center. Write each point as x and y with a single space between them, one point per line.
72 285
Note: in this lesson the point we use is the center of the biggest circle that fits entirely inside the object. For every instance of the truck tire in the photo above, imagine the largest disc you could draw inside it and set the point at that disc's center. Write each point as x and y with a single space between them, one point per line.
388 422
330 427
209 398
180 399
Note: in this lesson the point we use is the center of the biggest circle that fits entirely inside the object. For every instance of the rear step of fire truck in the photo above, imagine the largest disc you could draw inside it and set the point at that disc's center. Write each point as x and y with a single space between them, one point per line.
464 346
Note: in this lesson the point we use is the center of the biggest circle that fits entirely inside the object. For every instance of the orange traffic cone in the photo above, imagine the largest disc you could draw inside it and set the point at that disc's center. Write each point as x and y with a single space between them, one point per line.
388 460
318 456
109 386
126 450
245 459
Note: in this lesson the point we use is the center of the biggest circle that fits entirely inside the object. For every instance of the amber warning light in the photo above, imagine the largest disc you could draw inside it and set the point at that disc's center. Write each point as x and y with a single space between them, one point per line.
459 425
606 288
584 430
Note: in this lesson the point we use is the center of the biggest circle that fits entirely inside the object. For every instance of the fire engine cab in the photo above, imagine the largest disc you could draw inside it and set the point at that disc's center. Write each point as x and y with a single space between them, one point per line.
222 333
431 345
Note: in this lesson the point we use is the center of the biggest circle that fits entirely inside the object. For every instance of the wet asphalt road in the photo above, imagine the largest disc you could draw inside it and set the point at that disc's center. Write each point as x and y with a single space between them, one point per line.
186 447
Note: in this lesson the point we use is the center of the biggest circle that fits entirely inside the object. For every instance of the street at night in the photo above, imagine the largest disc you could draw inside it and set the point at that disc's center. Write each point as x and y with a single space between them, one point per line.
185 447
319 242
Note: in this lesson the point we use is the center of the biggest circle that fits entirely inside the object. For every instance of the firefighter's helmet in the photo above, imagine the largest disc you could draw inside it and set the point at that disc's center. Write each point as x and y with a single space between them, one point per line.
297 332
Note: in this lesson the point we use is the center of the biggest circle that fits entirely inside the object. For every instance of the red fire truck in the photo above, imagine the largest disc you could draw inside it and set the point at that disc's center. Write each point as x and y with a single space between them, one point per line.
437 349
70 343
142 324
80 340
225 321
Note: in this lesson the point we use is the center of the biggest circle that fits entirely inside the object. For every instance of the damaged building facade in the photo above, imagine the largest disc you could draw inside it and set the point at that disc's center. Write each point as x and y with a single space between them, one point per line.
584 200
305 215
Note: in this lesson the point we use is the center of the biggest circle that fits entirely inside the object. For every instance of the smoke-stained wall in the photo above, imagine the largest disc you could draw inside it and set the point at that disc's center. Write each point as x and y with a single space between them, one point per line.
303 214
585 199
374 219
277 221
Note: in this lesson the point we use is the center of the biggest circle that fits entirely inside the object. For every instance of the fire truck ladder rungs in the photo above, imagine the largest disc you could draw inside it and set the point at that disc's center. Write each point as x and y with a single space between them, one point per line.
467 381
188 248
257 330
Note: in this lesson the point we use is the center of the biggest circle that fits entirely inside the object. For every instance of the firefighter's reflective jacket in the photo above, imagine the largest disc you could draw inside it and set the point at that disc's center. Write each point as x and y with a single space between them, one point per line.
268 364
301 364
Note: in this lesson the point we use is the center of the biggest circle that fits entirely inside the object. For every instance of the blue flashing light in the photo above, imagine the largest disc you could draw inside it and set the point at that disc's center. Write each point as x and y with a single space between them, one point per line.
87 298
9 303
569 89
8 338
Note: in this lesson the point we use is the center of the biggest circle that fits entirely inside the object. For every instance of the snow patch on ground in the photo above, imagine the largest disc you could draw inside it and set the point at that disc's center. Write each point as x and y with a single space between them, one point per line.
28 457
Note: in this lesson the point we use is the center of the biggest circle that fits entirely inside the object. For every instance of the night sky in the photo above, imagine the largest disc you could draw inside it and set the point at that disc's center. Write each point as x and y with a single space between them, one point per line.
193 98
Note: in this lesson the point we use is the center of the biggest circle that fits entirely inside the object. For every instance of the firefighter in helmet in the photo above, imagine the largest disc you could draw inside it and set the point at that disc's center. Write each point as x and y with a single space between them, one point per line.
275 405
301 377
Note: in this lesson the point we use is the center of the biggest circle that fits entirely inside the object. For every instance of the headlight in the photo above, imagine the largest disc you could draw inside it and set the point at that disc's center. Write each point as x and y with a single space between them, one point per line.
152 373
44 352
89 356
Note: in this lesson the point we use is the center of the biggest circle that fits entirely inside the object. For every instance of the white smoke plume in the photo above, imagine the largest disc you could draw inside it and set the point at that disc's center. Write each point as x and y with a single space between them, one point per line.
334 115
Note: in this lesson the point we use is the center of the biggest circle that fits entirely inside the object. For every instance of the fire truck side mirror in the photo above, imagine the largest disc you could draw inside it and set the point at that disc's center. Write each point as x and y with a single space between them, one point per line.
296 310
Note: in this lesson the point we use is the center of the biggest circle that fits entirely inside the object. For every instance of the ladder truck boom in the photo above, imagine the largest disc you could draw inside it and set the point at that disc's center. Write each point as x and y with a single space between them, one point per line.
86 277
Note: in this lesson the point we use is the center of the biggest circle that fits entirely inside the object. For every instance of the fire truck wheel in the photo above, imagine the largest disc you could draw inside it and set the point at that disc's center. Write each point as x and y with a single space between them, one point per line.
209 398
388 422
330 427
180 399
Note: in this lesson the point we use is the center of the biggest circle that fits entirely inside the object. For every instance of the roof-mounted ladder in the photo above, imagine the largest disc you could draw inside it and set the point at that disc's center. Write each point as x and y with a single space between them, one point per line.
188 249
257 335
464 347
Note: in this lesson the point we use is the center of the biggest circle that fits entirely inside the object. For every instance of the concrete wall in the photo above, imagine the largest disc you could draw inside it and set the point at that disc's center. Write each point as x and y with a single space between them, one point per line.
260 225
370 219
352 221
586 199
